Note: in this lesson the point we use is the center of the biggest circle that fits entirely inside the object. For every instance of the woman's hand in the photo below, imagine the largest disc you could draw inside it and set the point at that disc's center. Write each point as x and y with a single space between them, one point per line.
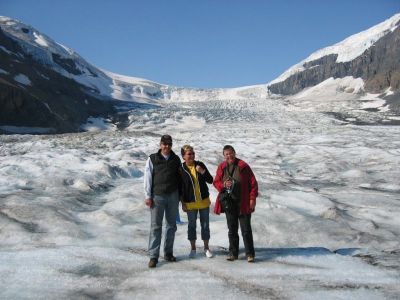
200 169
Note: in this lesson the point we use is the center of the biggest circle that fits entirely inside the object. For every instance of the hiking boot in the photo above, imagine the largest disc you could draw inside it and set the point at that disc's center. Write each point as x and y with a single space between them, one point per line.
208 253
169 257
153 262
232 257
250 258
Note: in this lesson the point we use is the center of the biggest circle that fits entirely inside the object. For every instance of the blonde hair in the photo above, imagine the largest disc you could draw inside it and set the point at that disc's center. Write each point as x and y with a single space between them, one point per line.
186 148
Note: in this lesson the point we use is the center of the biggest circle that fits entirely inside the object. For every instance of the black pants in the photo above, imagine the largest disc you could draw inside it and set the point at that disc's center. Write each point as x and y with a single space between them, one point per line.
233 220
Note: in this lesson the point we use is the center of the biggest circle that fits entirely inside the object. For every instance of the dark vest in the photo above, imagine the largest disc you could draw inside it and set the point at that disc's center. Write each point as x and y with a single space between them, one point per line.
166 174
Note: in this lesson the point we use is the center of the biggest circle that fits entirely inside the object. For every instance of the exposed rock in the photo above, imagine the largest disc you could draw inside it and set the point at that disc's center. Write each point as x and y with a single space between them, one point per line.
67 64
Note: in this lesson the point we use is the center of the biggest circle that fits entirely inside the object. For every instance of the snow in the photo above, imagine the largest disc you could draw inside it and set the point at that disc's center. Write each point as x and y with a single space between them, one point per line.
3 71
96 124
388 91
340 88
23 79
373 104
2 48
326 222
343 96
39 39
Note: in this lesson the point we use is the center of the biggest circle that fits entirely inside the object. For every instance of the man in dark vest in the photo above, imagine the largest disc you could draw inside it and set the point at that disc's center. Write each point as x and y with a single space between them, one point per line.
161 185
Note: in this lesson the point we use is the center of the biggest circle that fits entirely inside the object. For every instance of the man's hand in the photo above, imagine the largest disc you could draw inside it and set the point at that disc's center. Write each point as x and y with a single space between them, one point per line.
252 205
149 202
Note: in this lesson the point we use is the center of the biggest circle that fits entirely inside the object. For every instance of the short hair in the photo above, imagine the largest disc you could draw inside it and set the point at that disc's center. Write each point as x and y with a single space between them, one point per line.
186 148
166 139
228 147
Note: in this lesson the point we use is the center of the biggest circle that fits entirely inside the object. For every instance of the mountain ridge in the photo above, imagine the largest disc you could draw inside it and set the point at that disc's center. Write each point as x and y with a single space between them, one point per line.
378 64
47 85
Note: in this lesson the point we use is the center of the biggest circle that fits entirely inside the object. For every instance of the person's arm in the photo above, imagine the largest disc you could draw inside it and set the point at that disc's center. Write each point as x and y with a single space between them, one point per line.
148 183
218 180
202 169
253 189
180 183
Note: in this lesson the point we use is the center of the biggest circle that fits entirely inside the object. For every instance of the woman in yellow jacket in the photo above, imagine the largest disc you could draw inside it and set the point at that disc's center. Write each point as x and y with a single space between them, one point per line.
196 198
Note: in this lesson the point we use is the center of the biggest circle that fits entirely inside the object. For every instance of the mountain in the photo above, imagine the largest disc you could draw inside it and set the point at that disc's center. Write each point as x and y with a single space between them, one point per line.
48 87
372 55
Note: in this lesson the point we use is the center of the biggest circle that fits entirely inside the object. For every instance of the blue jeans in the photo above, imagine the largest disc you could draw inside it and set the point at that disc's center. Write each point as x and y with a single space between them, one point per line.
204 223
168 204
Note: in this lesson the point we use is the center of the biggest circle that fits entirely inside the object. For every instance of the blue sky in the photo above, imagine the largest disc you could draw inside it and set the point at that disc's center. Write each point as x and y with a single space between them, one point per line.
207 43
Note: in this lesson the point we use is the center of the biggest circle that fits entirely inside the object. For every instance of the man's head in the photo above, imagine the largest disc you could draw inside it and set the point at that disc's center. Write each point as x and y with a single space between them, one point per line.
166 144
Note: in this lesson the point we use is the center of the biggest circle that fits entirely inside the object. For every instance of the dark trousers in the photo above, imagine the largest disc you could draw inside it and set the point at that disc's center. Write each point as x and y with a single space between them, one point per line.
233 220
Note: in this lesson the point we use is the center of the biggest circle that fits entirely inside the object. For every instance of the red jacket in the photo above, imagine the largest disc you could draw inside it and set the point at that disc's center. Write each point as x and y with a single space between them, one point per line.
248 186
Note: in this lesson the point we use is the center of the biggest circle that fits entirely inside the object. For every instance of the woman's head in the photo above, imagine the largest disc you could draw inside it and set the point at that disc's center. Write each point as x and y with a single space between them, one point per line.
229 154
188 154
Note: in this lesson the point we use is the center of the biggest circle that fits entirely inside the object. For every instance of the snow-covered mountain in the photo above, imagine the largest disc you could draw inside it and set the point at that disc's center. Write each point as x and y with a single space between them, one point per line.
49 86
371 55
106 84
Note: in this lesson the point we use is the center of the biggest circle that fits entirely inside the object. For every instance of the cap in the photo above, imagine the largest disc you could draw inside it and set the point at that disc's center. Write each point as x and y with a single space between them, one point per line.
166 139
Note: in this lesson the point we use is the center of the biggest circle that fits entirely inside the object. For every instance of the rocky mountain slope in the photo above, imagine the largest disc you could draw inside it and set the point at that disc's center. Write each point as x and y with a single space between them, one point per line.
34 95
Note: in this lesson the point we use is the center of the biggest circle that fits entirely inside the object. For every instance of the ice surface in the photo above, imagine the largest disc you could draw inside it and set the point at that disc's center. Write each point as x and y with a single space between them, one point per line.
73 224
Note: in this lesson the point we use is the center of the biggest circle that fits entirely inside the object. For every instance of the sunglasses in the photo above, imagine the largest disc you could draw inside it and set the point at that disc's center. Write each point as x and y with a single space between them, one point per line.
167 144
190 153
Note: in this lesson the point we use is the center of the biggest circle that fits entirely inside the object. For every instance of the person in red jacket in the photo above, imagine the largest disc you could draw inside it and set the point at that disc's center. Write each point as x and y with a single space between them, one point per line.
235 176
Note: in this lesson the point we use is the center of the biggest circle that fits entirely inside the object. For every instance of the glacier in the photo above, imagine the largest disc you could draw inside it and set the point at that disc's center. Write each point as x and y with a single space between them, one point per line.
74 224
